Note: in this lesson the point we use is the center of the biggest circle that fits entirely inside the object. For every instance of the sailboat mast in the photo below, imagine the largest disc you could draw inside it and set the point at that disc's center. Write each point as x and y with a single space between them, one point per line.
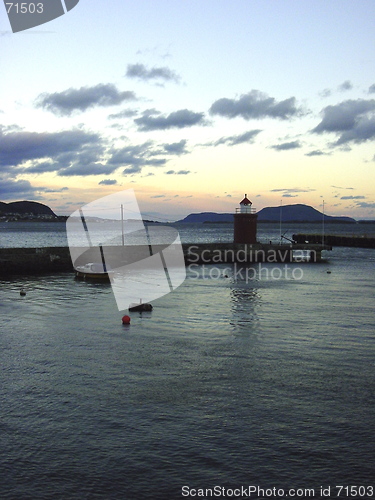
122 225
281 212
323 225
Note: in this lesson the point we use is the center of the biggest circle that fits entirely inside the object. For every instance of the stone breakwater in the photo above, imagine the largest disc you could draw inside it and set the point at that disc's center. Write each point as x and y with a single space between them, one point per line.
336 240
29 261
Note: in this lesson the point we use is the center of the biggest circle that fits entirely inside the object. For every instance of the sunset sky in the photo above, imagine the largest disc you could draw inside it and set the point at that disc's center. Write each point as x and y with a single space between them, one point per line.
192 103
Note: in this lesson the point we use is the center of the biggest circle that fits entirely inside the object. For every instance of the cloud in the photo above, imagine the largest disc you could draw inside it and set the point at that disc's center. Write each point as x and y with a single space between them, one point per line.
64 103
289 191
108 182
79 153
316 152
10 189
348 120
135 169
352 121
287 146
255 104
135 157
343 87
56 190
371 89
343 116
325 93
347 85
353 198
180 172
141 72
125 113
19 147
176 148
87 161
154 120
363 131
96 168
233 140
364 204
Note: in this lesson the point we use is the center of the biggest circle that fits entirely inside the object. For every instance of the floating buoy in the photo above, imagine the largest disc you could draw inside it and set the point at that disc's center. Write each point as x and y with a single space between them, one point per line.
126 320
22 292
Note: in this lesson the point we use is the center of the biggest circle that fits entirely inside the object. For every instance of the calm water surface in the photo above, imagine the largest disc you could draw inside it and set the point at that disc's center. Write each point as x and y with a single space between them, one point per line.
229 383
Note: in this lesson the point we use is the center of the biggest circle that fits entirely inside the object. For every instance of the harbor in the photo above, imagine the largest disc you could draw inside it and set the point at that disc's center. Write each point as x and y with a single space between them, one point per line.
241 244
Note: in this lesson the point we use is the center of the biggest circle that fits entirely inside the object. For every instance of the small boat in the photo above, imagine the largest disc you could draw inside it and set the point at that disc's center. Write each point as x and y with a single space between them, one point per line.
140 306
93 271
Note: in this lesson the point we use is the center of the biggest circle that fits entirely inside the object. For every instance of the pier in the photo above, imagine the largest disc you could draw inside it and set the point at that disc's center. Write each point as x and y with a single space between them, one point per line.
35 261
336 240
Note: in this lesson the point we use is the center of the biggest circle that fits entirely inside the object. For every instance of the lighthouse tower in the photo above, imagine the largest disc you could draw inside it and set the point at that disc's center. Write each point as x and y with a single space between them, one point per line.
245 223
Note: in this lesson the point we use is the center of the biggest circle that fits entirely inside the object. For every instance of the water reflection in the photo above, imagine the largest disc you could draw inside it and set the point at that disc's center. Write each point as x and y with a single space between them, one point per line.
245 298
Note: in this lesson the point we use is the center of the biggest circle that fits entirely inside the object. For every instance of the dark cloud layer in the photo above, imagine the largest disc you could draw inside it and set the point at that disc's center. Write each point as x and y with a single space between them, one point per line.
78 153
10 189
154 120
64 103
141 72
255 104
18 147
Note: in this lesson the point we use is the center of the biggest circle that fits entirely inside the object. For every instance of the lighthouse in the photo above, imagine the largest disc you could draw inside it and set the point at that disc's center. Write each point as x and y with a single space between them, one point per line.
245 223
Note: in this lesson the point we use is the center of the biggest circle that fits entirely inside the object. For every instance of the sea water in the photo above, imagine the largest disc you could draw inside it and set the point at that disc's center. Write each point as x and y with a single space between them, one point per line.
234 384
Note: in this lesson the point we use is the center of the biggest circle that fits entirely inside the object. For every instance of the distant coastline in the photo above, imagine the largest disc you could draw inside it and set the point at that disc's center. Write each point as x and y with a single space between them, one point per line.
31 211
297 213
297 222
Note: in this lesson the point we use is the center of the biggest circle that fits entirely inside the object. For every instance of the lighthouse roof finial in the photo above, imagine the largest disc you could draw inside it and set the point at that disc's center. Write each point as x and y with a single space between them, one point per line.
245 201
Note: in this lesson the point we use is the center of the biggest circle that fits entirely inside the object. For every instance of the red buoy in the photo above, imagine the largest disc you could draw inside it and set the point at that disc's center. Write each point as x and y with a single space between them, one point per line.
126 320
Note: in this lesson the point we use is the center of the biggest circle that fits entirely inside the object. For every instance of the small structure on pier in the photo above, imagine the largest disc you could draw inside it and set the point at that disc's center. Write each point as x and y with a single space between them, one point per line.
245 223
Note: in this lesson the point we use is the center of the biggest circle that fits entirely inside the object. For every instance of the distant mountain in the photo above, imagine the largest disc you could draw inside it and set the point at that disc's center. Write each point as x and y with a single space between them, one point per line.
207 217
297 213
25 207
289 213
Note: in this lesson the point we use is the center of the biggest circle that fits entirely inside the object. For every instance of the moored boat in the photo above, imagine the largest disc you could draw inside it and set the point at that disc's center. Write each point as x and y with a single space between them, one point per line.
93 271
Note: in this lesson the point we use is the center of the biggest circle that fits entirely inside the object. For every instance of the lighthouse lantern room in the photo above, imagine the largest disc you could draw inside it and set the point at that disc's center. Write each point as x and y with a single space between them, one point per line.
245 223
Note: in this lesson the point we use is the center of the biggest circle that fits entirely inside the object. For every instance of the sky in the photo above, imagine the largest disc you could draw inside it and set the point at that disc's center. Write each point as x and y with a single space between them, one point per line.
192 104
